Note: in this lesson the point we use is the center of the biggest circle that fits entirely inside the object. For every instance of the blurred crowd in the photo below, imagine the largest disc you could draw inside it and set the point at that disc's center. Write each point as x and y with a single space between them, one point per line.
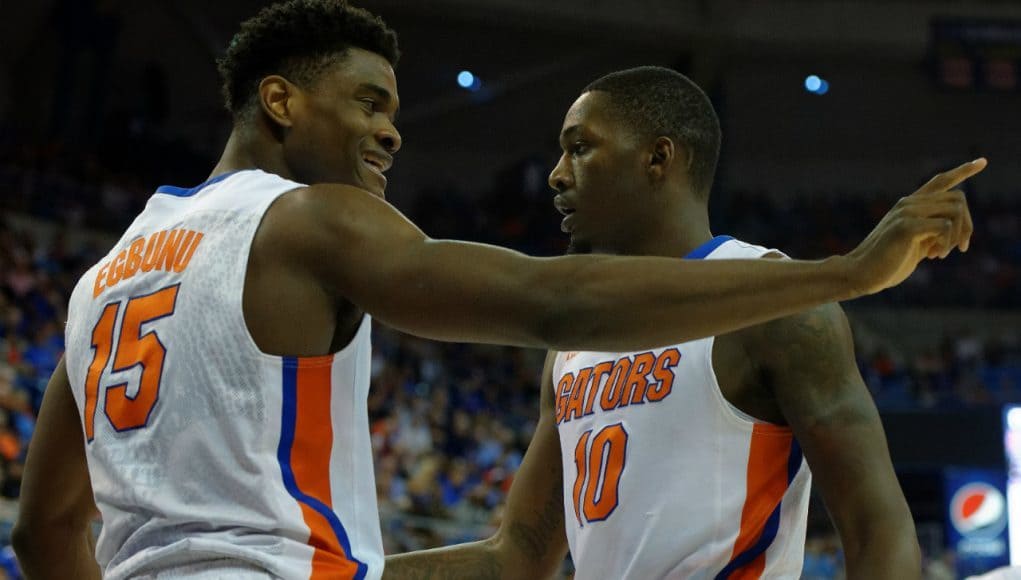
450 425
963 371
450 422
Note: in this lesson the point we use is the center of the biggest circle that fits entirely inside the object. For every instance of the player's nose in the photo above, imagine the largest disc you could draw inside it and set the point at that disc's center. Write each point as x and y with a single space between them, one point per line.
560 178
389 137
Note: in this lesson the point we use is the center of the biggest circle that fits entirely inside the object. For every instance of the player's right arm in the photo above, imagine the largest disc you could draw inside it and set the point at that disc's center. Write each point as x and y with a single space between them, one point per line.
809 359
531 541
361 249
52 536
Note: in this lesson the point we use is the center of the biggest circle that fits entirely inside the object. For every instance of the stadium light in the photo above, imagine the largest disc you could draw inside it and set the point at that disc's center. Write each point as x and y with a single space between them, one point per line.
816 85
465 79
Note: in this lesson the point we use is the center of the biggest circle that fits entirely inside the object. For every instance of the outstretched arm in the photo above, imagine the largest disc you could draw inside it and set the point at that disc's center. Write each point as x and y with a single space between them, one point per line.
810 358
52 538
362 250
531 541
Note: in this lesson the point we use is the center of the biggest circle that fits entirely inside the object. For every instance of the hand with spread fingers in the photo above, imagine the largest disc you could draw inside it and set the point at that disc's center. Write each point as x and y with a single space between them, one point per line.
929 223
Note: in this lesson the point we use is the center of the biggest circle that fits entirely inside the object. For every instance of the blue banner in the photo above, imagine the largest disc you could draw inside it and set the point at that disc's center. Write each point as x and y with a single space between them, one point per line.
976 509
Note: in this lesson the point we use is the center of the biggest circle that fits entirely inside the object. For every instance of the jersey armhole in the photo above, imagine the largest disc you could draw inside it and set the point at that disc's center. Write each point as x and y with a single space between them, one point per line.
731 411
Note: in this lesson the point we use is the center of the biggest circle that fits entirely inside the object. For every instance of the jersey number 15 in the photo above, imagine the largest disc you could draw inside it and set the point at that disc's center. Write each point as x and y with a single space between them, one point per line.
127 412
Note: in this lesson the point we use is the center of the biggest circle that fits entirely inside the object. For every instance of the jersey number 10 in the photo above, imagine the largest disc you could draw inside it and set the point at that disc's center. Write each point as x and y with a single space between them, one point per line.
600 463
133 349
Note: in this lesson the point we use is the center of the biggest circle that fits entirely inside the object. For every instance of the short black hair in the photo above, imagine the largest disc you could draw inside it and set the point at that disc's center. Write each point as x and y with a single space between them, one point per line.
297 39
657 101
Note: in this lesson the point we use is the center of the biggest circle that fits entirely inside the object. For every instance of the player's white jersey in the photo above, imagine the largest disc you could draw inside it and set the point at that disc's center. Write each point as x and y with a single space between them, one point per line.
663 478
200 447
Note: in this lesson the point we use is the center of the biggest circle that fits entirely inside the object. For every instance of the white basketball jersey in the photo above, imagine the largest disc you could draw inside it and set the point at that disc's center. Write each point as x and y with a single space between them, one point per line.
200 446
663 478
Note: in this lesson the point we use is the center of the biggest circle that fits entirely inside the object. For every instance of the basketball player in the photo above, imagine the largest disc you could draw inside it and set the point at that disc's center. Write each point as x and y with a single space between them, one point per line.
686 461
212 399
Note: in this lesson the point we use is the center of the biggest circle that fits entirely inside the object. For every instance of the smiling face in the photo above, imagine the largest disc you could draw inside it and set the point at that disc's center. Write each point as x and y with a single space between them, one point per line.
342 127
601 179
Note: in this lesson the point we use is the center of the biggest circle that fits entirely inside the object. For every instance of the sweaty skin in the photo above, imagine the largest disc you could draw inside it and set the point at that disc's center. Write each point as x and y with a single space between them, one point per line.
327 253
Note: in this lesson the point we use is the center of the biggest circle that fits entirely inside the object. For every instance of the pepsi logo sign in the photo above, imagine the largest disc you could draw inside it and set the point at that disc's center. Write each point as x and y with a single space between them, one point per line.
978 509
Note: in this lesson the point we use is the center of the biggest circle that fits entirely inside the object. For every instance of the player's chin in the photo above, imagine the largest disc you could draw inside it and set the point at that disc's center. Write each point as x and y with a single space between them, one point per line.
375 186
578 245
362 177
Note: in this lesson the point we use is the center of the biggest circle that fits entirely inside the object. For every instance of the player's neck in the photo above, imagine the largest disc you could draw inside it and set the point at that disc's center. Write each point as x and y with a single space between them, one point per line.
244 152
674 234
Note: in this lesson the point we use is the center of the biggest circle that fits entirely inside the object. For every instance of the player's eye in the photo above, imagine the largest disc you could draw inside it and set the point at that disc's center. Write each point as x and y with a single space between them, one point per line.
578 148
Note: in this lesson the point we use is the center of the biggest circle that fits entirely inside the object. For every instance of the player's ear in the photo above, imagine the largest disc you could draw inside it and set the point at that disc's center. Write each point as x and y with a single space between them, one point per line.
663 156
277 98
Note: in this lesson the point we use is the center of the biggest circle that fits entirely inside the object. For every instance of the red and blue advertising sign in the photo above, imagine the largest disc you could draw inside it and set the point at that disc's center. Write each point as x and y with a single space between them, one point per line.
976 503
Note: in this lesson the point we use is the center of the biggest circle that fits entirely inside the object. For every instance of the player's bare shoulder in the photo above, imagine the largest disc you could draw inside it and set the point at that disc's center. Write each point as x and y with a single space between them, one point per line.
817 330
753 365
321 220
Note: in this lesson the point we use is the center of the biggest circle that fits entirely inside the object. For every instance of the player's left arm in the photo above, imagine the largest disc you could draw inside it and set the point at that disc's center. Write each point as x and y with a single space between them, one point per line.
810 361
52 536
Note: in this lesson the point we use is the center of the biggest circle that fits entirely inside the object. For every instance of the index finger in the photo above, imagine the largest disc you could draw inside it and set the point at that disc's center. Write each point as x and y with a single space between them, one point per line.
954 177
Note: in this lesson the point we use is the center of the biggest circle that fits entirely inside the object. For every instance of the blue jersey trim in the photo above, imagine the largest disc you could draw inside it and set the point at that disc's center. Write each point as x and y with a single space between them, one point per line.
707 248
188 192
772 524
290 409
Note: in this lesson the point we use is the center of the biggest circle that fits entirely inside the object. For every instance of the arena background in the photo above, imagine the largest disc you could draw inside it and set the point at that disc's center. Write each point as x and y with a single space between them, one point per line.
103 100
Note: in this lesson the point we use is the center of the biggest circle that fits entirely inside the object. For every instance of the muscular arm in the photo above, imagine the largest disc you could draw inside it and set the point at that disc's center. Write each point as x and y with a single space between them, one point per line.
531 541
52 538
810 359
364 251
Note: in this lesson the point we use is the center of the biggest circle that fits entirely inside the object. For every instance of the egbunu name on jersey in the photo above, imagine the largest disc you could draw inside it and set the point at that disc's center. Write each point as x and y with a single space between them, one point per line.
165 250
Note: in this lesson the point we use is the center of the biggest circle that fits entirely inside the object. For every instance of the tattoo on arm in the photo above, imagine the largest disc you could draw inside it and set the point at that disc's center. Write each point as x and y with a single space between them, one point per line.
534 540
810 363
824 399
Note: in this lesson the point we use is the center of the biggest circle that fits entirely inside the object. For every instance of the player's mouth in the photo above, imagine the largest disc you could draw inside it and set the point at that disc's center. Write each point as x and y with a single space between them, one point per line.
565 208
378 163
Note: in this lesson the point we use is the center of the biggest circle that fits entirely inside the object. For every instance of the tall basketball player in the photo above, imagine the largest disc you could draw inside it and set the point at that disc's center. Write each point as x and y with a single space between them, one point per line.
686 461
212 400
